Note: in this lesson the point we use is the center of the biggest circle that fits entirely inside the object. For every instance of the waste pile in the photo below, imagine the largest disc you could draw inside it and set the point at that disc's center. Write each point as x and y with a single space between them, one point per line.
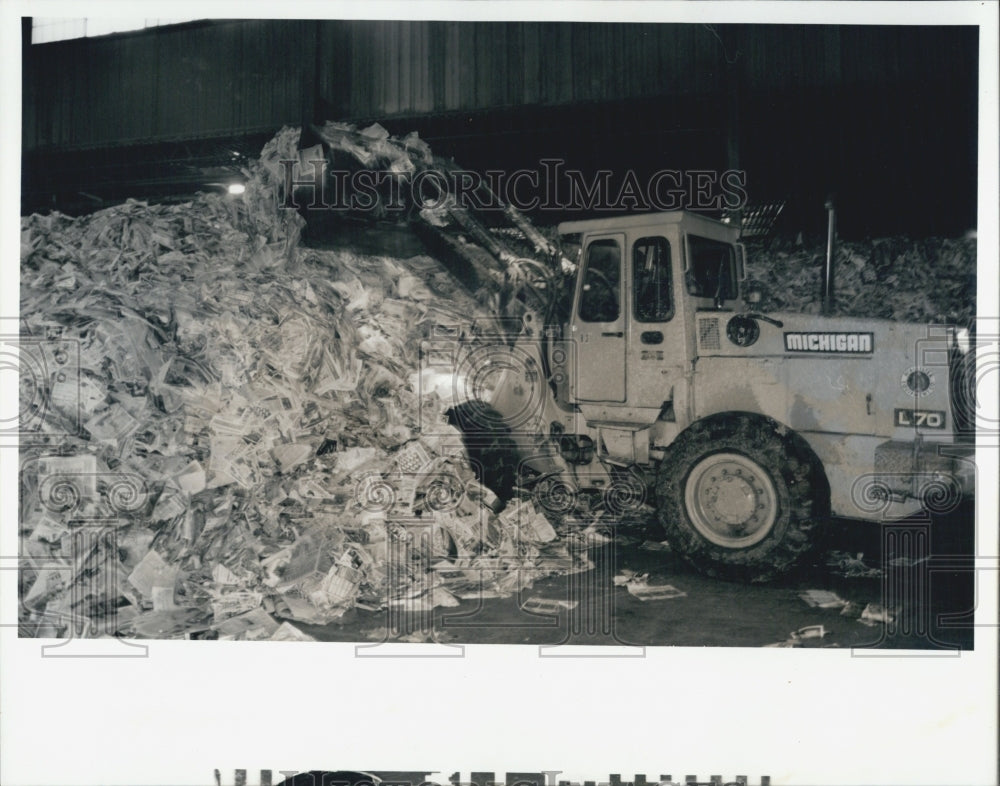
225 434
510 264
898 278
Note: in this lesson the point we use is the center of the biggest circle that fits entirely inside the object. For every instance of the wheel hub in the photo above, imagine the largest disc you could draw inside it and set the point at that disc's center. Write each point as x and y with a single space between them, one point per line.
731 500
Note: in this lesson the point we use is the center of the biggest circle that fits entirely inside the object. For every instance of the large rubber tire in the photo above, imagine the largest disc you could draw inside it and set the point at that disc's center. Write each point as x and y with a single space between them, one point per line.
738 495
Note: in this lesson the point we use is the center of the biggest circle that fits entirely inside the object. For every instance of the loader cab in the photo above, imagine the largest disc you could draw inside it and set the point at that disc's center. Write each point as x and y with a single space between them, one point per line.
641 281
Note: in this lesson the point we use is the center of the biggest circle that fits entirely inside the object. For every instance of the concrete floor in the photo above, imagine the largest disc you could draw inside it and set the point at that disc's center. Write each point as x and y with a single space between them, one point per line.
931 598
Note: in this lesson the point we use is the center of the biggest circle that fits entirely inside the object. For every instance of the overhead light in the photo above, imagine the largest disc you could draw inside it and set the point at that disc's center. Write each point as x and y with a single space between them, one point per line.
236 188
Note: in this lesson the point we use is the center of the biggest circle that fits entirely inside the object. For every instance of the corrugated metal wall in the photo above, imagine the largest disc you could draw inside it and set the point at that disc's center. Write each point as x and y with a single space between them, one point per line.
180 82
412 67
238 77
386 68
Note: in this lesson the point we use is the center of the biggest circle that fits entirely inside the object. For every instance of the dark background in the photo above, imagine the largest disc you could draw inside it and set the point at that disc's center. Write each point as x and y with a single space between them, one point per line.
884 117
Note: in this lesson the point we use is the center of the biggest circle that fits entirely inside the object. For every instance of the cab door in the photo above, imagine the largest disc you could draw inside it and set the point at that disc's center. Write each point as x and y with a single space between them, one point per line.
657 355
598 324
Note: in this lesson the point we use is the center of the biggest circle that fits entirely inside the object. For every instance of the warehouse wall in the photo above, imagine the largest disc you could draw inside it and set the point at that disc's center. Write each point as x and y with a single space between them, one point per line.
178 82
384 68
406 67
242 76
885 117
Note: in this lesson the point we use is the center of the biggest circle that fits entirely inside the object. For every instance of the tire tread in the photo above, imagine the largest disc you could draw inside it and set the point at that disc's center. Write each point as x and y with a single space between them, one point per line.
803 493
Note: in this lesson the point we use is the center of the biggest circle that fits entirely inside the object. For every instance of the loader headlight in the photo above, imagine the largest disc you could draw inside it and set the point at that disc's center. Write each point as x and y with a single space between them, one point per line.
918 382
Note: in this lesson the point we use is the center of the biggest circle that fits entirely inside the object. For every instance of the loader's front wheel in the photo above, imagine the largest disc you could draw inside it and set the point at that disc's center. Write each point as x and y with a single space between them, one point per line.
738 496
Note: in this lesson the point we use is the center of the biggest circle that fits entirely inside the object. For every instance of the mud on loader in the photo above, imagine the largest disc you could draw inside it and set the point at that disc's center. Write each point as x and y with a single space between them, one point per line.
630 366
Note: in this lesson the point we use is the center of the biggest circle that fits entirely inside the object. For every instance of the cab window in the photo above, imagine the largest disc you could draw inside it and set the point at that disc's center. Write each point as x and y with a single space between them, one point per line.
651 277
711 269
600 300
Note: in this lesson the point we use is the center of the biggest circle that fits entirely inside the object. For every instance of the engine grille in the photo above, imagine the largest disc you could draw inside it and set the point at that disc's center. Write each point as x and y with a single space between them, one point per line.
708 334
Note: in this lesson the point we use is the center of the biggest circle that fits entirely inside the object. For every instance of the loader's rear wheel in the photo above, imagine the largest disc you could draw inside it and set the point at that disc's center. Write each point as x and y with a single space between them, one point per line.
738 496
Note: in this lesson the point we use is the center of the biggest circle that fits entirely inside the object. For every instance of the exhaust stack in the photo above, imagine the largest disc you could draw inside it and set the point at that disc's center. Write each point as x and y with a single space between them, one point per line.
831 233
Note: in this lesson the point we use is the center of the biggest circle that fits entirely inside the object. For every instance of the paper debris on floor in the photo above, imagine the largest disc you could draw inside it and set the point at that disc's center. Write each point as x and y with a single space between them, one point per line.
797 637
852 610
548 605
288 632
786 643
255 625
638 586
822 599
877 614
810 632
654 591
852 566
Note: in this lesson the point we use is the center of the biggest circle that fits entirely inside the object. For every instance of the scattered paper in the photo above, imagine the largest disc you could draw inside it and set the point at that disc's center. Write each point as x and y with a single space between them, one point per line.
428 601
852 566
255 625
822 599
112 424
548 605
796 637
877 614
288 632
151 572
654 591
233 604
163 598
638 586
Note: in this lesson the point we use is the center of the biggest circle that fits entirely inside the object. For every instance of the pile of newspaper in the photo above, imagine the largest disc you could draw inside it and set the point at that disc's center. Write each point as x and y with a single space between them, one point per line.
917 280
222 431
